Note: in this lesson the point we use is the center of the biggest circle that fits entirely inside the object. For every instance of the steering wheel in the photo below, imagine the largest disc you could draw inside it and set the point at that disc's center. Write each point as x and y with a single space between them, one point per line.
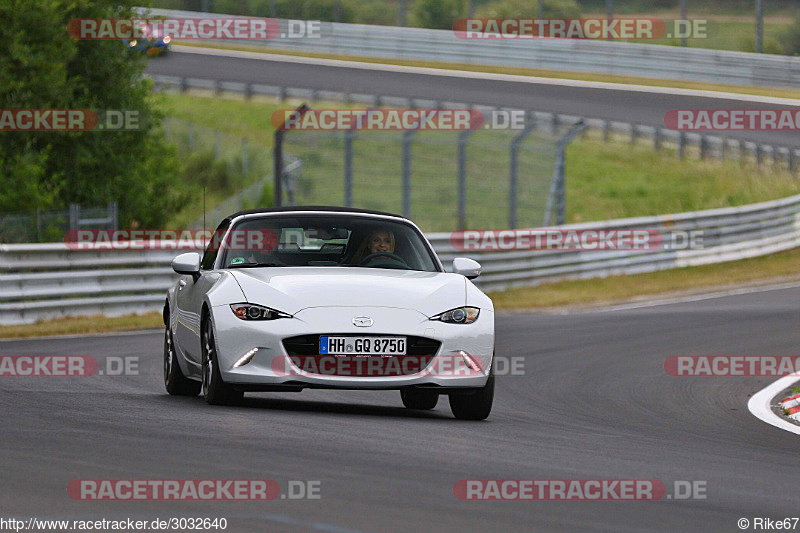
371 257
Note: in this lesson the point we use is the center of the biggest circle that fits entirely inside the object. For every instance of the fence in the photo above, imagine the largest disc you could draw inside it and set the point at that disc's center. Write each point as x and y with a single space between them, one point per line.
602 57
47 226
48 280
444 180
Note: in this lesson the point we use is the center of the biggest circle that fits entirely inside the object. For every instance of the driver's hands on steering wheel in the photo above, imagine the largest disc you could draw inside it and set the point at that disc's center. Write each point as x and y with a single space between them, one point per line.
385 255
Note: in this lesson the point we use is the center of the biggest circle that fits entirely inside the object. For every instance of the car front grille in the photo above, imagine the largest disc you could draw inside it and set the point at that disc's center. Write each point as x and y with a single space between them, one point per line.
303 351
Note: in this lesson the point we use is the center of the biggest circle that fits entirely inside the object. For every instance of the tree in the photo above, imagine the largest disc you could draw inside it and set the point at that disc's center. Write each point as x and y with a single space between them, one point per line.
437 14
43 68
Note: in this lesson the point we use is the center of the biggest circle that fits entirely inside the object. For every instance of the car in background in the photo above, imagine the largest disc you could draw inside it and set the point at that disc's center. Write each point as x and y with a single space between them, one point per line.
338 298
152 45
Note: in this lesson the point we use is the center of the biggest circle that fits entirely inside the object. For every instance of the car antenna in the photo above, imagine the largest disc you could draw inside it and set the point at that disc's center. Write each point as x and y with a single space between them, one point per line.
204 210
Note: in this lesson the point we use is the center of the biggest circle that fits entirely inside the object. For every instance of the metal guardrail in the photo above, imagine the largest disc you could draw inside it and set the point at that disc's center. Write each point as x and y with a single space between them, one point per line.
41 281
601 57
703 145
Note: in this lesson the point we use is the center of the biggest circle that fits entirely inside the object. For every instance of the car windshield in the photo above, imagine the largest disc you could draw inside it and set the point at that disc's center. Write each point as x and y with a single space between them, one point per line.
326 240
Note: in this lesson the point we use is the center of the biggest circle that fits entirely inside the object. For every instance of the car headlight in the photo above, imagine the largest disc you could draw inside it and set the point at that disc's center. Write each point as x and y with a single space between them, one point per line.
256 312
132 43
166 39
459 315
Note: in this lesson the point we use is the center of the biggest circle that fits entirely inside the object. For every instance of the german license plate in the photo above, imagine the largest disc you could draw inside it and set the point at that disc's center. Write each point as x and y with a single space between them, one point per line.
362 345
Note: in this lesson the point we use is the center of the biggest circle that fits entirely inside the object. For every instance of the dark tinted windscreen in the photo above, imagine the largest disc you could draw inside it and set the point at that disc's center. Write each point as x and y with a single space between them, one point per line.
326 240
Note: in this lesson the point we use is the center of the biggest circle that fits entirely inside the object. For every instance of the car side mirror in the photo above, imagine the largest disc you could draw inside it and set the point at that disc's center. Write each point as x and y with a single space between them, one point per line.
466 267
188 263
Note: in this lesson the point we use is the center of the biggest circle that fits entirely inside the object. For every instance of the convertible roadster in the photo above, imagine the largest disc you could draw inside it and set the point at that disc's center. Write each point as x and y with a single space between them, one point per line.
324 297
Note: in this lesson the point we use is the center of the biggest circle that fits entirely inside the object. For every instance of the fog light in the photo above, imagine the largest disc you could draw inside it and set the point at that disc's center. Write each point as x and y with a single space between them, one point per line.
469 361
246 358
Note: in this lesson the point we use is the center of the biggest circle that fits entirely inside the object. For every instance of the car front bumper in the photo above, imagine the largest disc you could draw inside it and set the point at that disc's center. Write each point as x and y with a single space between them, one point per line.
272 368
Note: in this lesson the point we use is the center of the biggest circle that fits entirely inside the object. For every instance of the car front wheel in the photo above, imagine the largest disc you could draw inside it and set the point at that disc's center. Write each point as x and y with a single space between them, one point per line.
215 391
475 405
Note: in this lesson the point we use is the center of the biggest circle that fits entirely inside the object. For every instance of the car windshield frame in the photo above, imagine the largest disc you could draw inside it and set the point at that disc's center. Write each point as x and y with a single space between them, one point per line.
381 221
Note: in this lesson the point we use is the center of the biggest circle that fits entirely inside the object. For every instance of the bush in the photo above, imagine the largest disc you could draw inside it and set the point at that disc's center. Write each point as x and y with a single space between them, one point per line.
216 176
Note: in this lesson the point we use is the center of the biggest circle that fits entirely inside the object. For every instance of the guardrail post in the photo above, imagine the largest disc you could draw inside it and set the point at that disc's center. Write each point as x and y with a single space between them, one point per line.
281 94
606 130
217 87
184 85
348 167
681 144
555 119
514 165
407 138
723 148
759 154
774 155
463 137
657 139
74 216
633 133
703 146
248 91
112 216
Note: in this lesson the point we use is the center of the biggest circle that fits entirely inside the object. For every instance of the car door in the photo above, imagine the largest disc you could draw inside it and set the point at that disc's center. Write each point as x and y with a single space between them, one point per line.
190 296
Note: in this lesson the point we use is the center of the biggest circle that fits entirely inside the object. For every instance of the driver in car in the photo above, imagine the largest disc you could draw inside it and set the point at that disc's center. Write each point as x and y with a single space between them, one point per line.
379 241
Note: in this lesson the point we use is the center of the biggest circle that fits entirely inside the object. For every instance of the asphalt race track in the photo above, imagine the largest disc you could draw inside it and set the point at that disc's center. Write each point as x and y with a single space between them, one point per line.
594 403
623 105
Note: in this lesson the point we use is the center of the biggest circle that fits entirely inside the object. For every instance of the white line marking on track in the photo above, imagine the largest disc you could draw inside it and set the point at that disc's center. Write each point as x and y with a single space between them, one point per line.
760 404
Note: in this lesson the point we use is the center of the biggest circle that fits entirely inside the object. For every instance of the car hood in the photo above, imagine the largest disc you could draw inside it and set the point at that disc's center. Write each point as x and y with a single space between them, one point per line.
290 289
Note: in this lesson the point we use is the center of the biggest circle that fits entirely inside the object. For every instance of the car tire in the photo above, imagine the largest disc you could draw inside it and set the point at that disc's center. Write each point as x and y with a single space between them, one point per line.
475 405
176 383
419 399
215 391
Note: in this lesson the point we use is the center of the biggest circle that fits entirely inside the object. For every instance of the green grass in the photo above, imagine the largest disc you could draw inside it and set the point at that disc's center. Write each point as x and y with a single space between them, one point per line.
604 180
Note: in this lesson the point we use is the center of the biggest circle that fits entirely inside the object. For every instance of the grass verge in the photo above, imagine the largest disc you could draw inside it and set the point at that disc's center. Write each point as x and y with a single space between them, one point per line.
84 325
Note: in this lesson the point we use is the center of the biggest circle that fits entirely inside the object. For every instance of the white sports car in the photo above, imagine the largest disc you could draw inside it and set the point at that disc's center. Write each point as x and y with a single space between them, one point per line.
324 297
